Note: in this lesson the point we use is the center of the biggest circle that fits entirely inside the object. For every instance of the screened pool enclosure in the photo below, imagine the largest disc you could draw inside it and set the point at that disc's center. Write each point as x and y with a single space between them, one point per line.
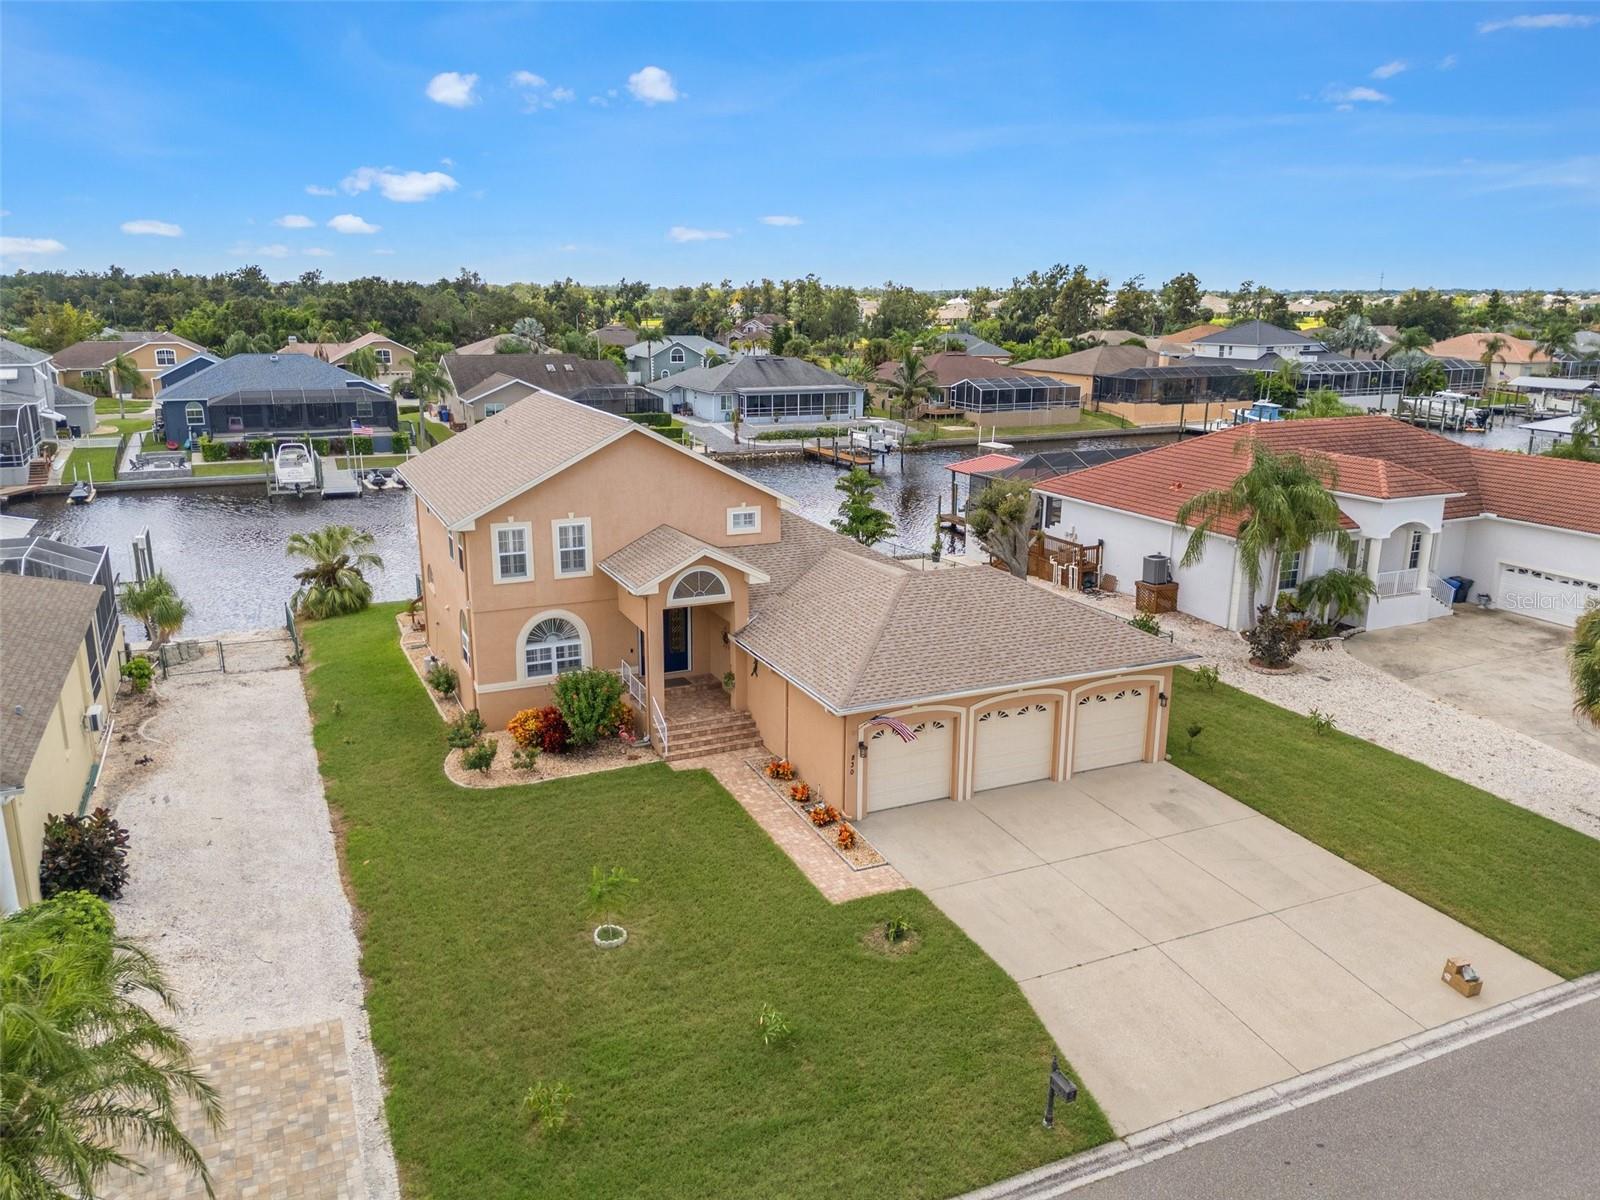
280 410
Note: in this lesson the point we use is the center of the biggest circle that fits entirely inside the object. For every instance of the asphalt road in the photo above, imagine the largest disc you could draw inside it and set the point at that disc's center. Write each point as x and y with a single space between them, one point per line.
1516 1115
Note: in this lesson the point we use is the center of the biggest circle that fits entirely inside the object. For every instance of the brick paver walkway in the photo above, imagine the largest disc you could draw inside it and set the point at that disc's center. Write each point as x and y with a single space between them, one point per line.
291 1126
831 875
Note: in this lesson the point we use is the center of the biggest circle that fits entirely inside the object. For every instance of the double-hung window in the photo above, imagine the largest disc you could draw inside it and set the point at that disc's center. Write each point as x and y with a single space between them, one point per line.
384 356
571 537
466 642
513 557
166 358
1289 572
1414 555
553 647
745 519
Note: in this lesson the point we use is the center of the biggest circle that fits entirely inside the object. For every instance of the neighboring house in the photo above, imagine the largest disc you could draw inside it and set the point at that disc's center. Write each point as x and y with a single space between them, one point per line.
1584 361
754 331
1516 357
616 334
1308 306
555 537
1219 305
86 366
766 387
266 395
957 308
1525 530
659 358
488 345
484 384
1115 337
974 346
1250 340
28 377
394 360
57 682
1082 368
980 389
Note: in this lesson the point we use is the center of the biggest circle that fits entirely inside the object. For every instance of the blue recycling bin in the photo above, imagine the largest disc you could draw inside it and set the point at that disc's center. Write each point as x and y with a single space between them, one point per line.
1463 587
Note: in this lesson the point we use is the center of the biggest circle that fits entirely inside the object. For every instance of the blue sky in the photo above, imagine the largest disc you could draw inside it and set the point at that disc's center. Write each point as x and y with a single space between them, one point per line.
1305 145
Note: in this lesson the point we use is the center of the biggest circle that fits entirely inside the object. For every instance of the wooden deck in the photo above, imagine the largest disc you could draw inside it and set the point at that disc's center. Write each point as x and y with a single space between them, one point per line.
839 456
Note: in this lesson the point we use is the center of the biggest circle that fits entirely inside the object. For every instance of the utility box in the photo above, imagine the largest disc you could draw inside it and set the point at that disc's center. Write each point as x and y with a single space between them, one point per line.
1157 569
1460 974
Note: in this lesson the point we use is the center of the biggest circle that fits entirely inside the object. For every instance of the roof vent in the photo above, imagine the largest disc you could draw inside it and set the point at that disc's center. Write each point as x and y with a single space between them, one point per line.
272 358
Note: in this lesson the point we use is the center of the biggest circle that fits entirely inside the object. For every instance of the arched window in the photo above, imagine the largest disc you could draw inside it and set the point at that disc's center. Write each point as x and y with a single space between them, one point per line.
194 414
699 586
676 355
553 647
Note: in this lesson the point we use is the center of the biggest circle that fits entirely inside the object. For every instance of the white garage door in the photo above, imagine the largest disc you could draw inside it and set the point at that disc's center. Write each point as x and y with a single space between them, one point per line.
901 772
1109 727
1013 744
1545 595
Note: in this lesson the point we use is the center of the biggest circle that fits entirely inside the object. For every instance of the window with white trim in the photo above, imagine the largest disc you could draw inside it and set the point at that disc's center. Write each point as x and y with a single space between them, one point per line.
384 355
194 414
1414 555
490 410
699 586
677 355
1289 572
744 519
166 358
466 642
450 545
513 557
572 547
553 647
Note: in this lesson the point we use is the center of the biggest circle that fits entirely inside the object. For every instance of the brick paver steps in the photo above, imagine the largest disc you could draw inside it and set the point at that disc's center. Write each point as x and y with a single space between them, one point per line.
701 721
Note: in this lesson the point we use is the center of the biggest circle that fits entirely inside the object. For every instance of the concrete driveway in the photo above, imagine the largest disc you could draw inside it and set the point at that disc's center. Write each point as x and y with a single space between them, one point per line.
1181 948
1509 668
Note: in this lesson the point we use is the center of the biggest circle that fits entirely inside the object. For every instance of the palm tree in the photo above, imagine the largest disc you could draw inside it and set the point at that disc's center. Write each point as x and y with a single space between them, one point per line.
1583 662
364 362
1492 345
126 377
1336 592
86 1071
529 329
428 382
1281 504
156 603
911 383
1353 335
1324 402
333 585
1413 337
1556 340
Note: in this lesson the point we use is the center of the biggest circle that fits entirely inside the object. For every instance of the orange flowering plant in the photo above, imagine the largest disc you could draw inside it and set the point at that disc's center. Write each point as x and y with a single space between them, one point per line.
780 768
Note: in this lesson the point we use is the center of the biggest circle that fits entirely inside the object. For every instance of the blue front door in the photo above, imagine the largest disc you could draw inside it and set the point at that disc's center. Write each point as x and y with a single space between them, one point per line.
674 641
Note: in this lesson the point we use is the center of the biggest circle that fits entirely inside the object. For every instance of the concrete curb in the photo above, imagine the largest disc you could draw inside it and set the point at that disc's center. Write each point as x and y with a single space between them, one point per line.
1147 1145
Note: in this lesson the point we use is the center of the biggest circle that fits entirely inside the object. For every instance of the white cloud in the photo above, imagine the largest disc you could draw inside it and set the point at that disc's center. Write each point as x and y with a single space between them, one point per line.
28 247
781 220
683 233
599 102
404 187
148 228
383 250
350 223
276 250
1355 95
1542 21
318 252
652 85
314 189
527 79
561 94
293 221
1448 61
453 89
1389 69
568 247
447 162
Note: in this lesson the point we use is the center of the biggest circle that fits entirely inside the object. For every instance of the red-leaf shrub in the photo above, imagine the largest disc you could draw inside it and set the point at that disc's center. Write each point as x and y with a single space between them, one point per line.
84 854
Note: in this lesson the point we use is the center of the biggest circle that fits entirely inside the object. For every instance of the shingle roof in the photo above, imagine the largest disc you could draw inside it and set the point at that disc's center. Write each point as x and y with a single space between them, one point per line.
564 374
1193 332
1399 460
953 366
97 354
853 632
690 341
759 371
655 555
1254 333
334 351
503 454
264 372
46 621
16 353
615 334
1097 360
976 346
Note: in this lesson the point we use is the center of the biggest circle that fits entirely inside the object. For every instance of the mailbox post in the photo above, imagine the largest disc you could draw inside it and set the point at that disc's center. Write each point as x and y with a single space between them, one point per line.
1061 1086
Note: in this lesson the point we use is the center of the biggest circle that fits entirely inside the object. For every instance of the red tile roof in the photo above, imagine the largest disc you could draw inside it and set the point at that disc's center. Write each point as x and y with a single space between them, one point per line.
1372 456
984 464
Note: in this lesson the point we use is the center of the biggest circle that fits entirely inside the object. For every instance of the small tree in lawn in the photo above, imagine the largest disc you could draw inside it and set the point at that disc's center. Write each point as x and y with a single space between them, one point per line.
911 384
334 583
857 517
606 889
125 374
1002 516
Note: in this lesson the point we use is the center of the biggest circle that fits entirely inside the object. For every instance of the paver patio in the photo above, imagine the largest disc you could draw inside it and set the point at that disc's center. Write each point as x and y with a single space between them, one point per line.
1181 948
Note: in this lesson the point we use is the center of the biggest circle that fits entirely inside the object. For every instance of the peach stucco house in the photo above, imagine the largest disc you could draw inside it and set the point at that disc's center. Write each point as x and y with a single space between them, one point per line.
554 536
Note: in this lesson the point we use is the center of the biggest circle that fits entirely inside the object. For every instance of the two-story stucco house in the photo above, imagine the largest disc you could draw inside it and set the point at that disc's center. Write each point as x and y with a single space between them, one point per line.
554 537
657 358
394 359
86 366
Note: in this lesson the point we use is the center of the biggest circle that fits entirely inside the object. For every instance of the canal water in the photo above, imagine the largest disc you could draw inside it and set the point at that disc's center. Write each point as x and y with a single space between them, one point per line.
223 548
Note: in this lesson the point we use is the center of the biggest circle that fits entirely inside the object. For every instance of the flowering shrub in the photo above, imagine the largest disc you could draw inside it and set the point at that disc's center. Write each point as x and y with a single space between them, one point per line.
780 768
799 792
823 815
524 728
845 837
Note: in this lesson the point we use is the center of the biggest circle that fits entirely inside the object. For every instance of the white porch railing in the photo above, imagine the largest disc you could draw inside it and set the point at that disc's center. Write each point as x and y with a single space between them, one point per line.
660 723
635 684
1442 591
1398 583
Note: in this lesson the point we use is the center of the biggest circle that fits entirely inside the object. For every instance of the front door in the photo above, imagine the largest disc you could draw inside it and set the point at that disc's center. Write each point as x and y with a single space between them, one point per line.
674 641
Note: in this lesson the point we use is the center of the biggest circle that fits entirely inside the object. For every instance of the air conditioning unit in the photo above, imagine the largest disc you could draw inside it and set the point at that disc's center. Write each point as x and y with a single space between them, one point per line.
1157 568
94 718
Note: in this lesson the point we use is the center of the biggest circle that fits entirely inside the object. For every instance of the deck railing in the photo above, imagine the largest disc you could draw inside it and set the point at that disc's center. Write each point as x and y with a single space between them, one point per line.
635 684
660 723
1398 583
1442 591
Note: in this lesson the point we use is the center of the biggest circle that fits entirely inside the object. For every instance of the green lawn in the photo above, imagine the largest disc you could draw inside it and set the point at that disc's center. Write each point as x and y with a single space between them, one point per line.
130 426
439 432
916 1076
1086 420
101 461
108 404
1525 881
246 466
372 460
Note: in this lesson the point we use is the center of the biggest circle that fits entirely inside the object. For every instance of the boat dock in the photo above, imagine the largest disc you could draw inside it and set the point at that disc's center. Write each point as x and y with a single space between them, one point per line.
840 456
338 483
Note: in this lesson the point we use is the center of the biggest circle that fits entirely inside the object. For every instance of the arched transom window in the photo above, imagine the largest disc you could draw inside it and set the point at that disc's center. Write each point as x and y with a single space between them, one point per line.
554 647
699 586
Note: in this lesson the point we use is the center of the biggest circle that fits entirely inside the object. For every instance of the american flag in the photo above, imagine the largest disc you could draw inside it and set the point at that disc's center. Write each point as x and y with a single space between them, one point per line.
900 728
359 429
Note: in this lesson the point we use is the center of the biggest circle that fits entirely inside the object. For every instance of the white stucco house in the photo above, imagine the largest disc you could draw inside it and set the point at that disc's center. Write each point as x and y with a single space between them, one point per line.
1419 507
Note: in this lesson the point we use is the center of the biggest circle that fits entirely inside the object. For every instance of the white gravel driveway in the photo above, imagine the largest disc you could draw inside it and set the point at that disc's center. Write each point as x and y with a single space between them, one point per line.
1369 703
234 878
